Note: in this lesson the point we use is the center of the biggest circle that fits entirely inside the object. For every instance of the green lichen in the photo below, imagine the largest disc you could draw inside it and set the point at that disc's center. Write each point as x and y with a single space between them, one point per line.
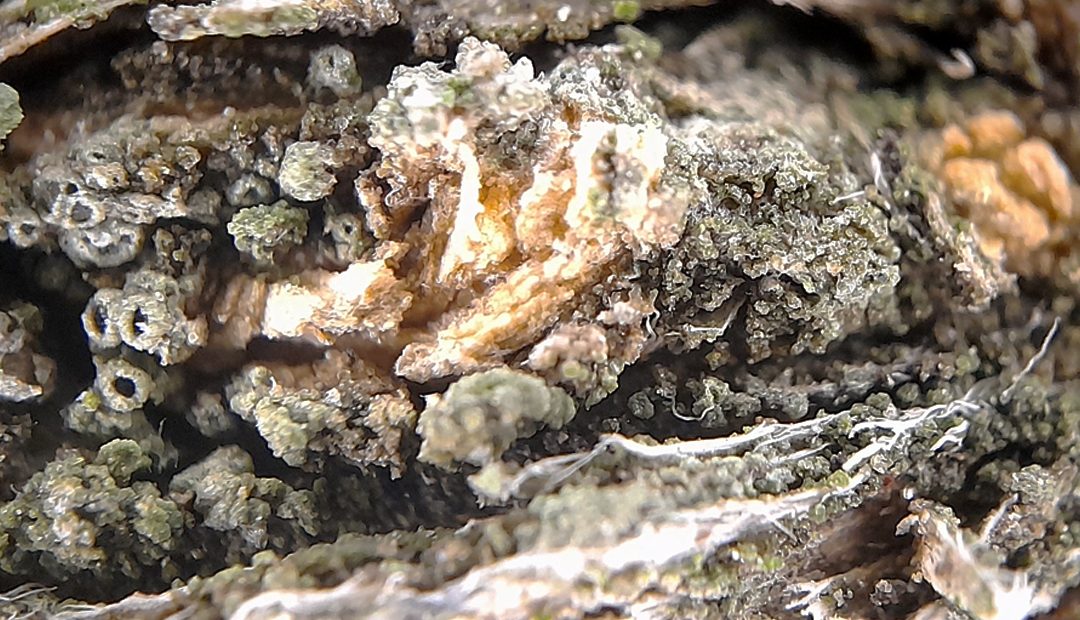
747 251
26 374
266 231
10 112
638 45
479 416
350 411
320 565
348 235
80 516
97 198
626 10
305 173
288 422
146 315
113 409
230 18
334 68
75 10
280 20
820 341
224 491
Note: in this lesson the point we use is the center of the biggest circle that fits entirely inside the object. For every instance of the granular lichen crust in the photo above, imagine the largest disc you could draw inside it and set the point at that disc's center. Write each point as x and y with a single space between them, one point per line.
101 506
10 112
478 418
339 406
97 200
262 230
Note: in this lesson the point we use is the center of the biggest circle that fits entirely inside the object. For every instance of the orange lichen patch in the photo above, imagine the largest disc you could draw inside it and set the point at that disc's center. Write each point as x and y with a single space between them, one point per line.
955 142
991 133
1015 190
1033 170
1007 224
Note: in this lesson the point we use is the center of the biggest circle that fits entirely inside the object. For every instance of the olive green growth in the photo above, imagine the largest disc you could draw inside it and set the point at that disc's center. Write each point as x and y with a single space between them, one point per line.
44 10
305 171
77 516
10 112
638 45
478 418
280 20
626 10
232 19
265 230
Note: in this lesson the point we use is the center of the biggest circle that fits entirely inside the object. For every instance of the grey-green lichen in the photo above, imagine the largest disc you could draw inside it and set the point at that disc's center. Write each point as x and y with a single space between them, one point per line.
25 24
334 68
113 407
100 505
233 19
339 406
146 315
265 230
224 491
435 26
10 112
78 11
304 175
478 417
825 282
97 199
98 518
